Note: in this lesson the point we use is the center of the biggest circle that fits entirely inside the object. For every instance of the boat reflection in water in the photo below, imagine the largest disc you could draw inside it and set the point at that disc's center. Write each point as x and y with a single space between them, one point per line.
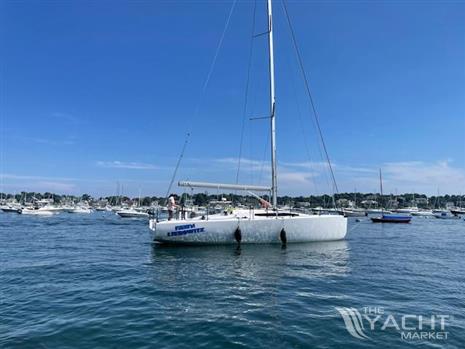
251 263
230 293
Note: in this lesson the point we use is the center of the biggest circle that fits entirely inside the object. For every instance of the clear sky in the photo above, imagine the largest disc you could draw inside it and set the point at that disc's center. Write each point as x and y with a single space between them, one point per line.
95 93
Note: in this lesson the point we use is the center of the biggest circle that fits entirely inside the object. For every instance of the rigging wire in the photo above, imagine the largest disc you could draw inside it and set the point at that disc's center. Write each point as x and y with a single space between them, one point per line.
311 165
262 164
246 92
307 86
177 166
202 94
302 127
215 57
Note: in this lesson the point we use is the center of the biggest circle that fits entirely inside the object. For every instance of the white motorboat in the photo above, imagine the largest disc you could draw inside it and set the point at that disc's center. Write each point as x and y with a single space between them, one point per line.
354 212
80 209
457 211
251 226
54 208
446 215
132 213
37 211
423 213
376 211
11 208
407 210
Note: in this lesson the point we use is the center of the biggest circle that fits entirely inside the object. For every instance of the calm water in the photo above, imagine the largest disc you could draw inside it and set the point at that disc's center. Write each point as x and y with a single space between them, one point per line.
95 281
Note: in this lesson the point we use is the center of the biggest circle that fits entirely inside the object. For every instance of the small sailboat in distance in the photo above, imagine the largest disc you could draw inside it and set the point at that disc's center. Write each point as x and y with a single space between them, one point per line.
266 225
390 217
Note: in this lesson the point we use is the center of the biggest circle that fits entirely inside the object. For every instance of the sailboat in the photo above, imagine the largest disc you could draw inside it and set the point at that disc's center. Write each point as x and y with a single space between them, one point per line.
390 217
266 225
458 210
353 210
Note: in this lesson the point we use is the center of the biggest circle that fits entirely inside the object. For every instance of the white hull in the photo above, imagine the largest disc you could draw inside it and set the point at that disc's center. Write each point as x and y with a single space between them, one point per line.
11 210
258 230
446 216
38 212
423 213
408 210
132 214
376 211
355 213
80 210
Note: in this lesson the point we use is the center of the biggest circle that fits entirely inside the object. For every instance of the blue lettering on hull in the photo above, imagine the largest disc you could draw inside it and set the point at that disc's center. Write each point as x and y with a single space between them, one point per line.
185 229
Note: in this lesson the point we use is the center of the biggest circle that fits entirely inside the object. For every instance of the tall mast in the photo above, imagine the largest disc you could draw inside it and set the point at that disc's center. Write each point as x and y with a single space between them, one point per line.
274 185
380 182
381 189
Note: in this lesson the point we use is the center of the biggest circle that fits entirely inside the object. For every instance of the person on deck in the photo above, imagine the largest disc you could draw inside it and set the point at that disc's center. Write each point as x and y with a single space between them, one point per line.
171 207
265 204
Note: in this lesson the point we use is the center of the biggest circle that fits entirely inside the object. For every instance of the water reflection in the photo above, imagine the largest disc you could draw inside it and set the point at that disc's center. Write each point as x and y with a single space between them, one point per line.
250 262
250 286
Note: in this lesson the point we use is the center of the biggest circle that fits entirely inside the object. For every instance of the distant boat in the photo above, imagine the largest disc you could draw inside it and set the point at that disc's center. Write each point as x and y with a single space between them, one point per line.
326 211
446 215
80 209
37 211
354 212
375 211
423 213
409 210
11 209
390 217
457 211
132 213
54 208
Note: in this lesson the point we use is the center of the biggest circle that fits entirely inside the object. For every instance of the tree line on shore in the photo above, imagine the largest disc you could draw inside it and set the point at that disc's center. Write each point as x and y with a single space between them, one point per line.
202 199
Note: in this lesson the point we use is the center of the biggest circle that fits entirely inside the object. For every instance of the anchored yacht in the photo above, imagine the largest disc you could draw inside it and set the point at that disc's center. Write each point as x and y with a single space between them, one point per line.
268 225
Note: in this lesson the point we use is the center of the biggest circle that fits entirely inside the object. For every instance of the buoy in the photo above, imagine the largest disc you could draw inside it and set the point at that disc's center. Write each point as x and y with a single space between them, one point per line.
238 235
282 236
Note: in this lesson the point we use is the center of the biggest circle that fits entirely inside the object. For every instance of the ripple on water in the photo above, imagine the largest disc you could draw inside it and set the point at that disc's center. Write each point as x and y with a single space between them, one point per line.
95 281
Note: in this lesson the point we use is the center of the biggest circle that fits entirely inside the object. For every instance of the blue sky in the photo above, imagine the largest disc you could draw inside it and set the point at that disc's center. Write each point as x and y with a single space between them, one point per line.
95 93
